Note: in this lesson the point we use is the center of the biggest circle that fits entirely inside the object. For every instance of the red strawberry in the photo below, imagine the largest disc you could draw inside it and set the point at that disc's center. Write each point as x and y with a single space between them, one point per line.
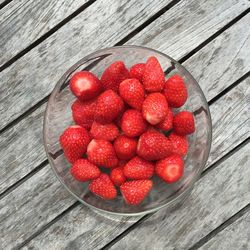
154 108
153 145
134 192
138 169
108 107
83 170
117 176
175 91
103 187
167 122
106 132
83 112
122 163
153 77
85 85
137 70
74 142
183 123
132 92
180 144
114 75
170 169
125 147
102 153
132 123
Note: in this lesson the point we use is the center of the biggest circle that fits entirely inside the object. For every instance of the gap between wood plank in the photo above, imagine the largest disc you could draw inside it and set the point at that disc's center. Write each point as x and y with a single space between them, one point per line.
220 228
45 162
121 42
145 217
230 87
127 38
228 25
42 165
213 166
25 178
45 99
46 35
3 4
77 203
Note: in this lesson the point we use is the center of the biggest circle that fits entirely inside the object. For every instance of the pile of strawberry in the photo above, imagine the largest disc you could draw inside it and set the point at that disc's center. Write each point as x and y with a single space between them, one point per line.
122 121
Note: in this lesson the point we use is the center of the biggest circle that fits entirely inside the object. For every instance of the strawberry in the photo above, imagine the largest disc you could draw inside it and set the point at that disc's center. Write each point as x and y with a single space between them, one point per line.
180 144
108 107
106 132
153 78
132 92
103 187
134 192
167 122
170 169
117 176
122 163
102 153
83 170
138 169
175 91
153 145
114 75
83 112
132 123
125 147
137 70
74 142
154 108
85 85
183 123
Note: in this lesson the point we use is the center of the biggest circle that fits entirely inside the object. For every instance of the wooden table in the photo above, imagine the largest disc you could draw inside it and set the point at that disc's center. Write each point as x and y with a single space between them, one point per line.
41 39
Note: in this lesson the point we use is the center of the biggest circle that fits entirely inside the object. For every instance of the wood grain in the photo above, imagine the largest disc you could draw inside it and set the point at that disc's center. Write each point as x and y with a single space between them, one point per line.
235 236
26 137
215 198
106 25
23 22
32 205
21 149
21 162
105 28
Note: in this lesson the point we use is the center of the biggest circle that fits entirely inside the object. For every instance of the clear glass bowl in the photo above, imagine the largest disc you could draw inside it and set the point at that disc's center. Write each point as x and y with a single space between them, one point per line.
58 117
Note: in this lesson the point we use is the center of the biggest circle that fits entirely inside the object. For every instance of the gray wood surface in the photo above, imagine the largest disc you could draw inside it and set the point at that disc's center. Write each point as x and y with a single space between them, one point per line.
204 210
23 22
107 24
235 236
41 198
105 28
26 136
216 197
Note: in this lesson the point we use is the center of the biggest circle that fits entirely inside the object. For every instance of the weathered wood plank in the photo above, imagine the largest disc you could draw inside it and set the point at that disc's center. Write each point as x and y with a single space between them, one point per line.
232 44
26 137
216 197
23 22
115 21
106 24
36 194
21 149
202 212
20 162
235 236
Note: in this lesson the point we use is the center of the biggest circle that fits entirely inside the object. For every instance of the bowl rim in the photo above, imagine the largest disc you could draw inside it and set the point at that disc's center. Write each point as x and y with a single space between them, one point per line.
173 198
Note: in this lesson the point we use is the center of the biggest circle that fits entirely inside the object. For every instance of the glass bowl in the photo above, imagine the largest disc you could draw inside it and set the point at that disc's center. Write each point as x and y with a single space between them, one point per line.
58 118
